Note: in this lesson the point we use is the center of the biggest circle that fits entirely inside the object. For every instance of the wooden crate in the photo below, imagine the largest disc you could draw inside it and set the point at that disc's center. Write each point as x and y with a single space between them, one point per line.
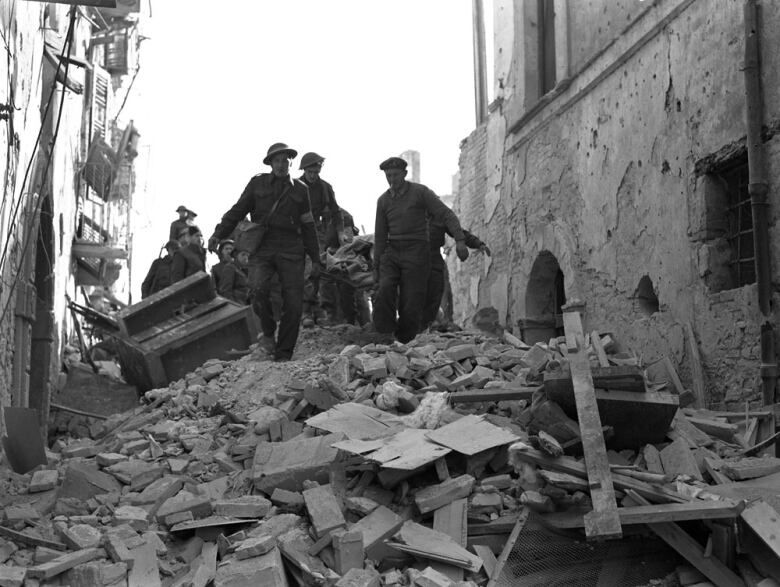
174 331
166 303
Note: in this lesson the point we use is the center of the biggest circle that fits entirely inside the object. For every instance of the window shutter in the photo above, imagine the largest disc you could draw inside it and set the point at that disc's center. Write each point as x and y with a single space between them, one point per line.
98 117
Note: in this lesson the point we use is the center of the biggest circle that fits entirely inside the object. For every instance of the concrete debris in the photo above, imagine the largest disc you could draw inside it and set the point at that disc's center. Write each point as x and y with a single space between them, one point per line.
386 465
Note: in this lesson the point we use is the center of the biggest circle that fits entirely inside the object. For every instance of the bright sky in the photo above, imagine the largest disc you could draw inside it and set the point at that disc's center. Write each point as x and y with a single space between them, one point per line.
354 80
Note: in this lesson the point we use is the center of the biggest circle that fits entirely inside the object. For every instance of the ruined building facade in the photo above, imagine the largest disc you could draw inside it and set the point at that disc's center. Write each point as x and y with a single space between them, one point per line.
68 179
612 168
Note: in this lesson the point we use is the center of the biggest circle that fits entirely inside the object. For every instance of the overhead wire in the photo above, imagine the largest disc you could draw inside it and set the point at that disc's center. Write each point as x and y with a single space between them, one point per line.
28 237
12 223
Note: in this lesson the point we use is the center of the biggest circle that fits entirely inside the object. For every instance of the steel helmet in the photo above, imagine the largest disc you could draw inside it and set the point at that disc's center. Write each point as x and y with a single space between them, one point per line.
310 159
279 148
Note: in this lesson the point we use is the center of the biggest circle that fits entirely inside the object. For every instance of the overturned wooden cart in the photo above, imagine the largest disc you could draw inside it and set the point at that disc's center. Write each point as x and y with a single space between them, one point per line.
177 329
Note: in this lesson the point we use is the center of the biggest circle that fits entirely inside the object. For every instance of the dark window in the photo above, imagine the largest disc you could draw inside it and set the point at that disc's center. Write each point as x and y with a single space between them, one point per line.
739 225
546 11
729 227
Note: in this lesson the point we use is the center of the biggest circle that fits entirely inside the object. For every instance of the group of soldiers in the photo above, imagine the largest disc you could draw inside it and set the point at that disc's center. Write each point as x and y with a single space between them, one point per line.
280 271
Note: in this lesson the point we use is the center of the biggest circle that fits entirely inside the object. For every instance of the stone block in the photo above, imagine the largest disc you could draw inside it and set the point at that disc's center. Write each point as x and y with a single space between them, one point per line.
83 448
288 464
373 367
459 352
266 570
106 459
324 509
360 505
486 503
136 473
256 546
23 513
80 536
12 576
198 506
360 578
291 500
248 506
43 481
135 517
83 480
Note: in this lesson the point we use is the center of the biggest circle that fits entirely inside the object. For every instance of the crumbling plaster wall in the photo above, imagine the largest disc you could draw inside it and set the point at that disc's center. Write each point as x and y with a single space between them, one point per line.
604 179
20 65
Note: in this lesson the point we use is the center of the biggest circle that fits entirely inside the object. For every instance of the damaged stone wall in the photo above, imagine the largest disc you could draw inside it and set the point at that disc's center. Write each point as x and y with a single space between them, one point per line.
19 100
602 175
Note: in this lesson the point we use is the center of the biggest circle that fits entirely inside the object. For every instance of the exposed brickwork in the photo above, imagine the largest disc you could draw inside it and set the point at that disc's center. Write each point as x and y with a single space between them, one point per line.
607 185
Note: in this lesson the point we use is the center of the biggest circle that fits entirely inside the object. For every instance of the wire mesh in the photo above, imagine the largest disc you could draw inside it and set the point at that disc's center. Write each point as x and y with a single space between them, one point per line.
547 557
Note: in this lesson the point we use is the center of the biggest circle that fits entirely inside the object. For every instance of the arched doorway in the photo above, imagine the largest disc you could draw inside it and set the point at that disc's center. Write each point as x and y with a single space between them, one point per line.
544 296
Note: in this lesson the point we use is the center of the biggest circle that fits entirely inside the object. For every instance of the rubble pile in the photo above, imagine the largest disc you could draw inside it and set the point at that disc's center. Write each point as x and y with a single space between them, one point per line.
395 465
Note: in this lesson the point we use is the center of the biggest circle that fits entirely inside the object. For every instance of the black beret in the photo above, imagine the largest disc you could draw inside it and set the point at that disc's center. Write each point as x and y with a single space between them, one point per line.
392 163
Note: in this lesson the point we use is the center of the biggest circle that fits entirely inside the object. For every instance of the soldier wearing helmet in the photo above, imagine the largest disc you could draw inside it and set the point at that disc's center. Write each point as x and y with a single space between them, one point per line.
320 299
279 206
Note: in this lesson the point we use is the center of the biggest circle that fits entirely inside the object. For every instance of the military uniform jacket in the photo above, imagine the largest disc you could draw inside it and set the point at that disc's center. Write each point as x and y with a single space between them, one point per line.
187 261
291 221
404 216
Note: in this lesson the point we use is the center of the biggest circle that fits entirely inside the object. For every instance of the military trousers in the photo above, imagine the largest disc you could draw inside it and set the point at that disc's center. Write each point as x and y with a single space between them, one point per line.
403 285
285 260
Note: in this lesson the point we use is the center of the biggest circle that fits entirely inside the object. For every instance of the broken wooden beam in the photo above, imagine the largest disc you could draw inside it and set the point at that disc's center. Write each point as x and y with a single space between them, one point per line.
603 521
690 549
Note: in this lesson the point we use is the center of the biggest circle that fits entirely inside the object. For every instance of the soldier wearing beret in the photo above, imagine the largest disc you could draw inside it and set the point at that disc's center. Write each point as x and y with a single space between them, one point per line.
280 204
402 257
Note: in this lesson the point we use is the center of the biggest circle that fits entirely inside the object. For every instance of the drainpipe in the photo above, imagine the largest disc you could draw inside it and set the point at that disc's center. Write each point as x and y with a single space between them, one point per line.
758 188
480 67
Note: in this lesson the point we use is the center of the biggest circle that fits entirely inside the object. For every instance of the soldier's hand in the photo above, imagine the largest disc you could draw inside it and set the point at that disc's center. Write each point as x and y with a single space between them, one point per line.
485 249
461 250
213 243
316 268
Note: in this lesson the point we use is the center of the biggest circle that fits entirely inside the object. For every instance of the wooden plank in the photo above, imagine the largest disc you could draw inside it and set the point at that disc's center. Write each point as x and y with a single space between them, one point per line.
488 559
693 436
471 434
64 563
764 520
437 496
572 466
651 514
713 468
178 320
30 540
722 430
595 341
493 394
697 373
357 421
451 520
691 550
603 521
408 450
425 542
750 467
508 546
